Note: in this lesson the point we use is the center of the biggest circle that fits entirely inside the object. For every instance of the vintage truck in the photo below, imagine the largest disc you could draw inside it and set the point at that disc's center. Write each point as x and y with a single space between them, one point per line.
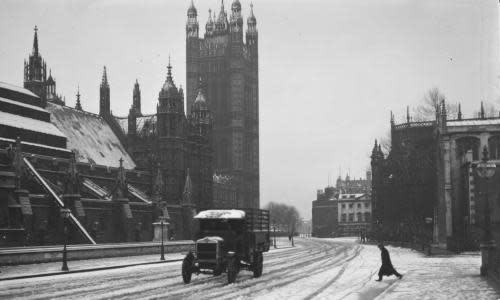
228 241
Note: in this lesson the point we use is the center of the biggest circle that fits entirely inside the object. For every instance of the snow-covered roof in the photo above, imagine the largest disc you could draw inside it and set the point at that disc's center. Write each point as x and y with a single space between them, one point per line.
17 89
90 136
34 125
221 214
350 196
146 124
22 104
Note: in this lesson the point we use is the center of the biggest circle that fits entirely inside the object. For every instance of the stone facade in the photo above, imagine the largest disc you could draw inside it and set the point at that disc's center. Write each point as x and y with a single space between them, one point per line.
228 67
331 205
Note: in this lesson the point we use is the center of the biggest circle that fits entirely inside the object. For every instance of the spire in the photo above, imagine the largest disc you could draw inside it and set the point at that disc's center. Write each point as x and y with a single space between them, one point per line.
407 114
169 67
136 98
169 84
104 81
459 111
188 190
375 150
192 12
104 96
35 42
78 103
482 111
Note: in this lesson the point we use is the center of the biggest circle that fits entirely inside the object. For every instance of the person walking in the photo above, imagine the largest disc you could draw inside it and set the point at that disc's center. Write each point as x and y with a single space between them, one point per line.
386 269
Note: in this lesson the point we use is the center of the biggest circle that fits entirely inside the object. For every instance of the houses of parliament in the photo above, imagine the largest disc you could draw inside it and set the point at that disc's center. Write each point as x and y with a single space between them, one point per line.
170 163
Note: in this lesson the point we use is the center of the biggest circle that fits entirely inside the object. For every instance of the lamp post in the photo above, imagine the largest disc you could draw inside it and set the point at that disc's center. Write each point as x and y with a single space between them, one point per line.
274 235
162 255
486 170
65 212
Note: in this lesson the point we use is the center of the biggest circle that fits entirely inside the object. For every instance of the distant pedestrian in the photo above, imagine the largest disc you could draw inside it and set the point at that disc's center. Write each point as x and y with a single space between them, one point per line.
386 269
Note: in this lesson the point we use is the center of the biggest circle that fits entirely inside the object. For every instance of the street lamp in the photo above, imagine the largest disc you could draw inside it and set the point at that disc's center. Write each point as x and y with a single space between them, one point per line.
65 213
162 256
486 170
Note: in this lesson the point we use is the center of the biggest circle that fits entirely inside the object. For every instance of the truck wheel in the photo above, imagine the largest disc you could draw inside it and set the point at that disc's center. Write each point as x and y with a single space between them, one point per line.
187 265
218 271
232 269
258 264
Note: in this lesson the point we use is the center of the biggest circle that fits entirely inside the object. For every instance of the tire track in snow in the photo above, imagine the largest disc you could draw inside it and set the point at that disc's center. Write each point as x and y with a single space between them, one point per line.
220 282
280 281
329 282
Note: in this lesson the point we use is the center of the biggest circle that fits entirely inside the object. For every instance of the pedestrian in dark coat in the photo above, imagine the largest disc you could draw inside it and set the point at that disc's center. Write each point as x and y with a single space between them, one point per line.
386 269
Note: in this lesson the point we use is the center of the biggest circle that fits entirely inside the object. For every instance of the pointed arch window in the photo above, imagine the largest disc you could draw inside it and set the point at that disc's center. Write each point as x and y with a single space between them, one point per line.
494 146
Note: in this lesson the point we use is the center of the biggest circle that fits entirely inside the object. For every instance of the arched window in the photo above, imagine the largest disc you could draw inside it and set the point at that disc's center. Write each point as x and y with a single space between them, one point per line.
359 217
494 147
468 143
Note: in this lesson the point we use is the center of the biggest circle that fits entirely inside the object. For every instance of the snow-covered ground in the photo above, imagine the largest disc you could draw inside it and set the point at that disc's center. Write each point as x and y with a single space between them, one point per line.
314 269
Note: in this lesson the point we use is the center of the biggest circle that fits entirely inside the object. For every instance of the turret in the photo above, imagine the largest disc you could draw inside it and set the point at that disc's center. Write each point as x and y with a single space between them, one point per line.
104 99
236 23
459 112
136 103
221 23
210 27
481 113
35 72
192 27
170 108
252 34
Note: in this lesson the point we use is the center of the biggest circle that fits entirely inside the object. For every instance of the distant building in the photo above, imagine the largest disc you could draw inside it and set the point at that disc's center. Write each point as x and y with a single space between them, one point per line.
336 213
354 214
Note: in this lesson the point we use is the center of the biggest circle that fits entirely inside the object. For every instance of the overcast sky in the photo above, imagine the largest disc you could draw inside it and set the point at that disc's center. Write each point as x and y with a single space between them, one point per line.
330 70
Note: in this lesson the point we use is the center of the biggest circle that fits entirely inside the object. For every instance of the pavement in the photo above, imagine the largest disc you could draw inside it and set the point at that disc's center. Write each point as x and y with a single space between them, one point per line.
15 272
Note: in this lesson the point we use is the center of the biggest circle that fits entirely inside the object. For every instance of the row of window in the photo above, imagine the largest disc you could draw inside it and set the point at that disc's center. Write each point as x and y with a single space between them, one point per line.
366 217
351 205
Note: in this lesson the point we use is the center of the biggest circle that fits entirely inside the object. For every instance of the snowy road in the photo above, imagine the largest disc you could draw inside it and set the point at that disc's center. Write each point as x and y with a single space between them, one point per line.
314 269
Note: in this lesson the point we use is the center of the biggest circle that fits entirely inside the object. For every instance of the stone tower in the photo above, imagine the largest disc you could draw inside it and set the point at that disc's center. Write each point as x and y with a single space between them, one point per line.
228 66
171 126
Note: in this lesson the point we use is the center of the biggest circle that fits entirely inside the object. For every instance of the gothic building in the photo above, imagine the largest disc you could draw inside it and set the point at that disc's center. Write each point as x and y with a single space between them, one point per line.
228 66
172 141
428 187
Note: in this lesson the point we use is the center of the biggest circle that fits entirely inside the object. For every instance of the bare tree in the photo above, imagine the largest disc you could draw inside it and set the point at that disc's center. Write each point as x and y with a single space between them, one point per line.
426 110
283 215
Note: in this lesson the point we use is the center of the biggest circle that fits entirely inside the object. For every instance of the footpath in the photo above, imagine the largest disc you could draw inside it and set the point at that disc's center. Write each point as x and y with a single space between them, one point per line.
14 272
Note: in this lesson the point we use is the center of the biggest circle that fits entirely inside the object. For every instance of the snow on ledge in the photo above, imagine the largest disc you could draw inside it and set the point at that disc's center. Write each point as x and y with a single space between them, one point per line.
221 214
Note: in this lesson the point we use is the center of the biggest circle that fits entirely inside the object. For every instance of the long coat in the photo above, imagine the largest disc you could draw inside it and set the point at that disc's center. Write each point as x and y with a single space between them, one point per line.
386 269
